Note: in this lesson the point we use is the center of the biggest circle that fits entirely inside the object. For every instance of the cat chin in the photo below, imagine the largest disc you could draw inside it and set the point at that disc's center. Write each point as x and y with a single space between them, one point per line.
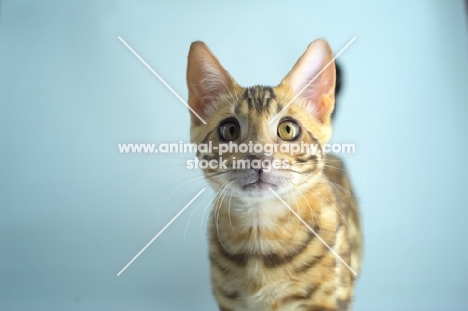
258 192
259 188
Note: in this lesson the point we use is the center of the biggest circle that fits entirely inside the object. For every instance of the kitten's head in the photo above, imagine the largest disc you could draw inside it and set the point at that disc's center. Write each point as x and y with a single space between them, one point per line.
296 113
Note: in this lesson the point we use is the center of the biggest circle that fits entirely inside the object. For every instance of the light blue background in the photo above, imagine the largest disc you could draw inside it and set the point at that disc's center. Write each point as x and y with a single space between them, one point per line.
73 211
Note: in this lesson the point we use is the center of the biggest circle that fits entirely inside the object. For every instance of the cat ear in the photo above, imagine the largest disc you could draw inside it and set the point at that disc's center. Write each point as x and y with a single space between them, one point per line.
206 79
306 81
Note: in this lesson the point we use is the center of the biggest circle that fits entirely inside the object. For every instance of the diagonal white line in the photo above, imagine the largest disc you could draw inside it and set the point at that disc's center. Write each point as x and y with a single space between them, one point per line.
313 79
162 230
315 233
161 79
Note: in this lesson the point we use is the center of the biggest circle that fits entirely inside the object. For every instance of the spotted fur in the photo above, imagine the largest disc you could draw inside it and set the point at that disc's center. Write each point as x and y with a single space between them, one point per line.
262 257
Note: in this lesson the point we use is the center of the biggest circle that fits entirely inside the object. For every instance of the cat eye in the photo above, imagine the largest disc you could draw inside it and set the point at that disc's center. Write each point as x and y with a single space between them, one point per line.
288 130
229 130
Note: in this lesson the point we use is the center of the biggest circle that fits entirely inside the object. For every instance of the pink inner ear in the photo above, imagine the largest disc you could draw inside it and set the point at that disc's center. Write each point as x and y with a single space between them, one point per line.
206 78
305 79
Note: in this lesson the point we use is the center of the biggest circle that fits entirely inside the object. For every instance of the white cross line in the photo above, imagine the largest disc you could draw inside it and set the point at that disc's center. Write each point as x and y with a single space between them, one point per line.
313 79
315 233
162 230
161 79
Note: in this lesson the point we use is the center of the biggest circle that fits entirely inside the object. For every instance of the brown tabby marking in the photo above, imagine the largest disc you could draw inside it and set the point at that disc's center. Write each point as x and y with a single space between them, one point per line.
262 257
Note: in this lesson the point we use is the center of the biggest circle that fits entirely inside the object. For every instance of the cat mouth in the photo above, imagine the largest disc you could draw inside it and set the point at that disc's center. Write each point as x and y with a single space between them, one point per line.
259 186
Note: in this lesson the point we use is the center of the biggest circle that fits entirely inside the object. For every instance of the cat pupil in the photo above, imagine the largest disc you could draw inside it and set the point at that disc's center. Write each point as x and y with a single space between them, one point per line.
288 129
231 130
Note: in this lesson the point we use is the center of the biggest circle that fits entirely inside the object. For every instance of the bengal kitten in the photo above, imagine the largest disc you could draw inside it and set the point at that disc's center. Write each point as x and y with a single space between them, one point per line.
262 256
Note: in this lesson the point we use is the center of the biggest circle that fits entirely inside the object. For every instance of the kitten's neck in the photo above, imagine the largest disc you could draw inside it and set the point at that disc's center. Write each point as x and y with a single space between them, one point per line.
265 226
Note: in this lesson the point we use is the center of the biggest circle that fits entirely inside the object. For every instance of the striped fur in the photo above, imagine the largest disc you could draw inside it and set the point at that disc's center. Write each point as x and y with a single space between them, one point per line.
262 257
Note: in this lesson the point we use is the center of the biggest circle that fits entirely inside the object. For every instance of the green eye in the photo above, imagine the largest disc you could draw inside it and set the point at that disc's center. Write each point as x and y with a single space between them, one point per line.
288 130
229 131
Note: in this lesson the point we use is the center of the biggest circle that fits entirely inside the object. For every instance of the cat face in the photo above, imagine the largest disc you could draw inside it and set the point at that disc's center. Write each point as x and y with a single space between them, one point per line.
262 137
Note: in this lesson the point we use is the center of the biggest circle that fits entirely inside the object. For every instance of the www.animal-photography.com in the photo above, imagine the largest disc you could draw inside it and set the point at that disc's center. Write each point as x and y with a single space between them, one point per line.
233 156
